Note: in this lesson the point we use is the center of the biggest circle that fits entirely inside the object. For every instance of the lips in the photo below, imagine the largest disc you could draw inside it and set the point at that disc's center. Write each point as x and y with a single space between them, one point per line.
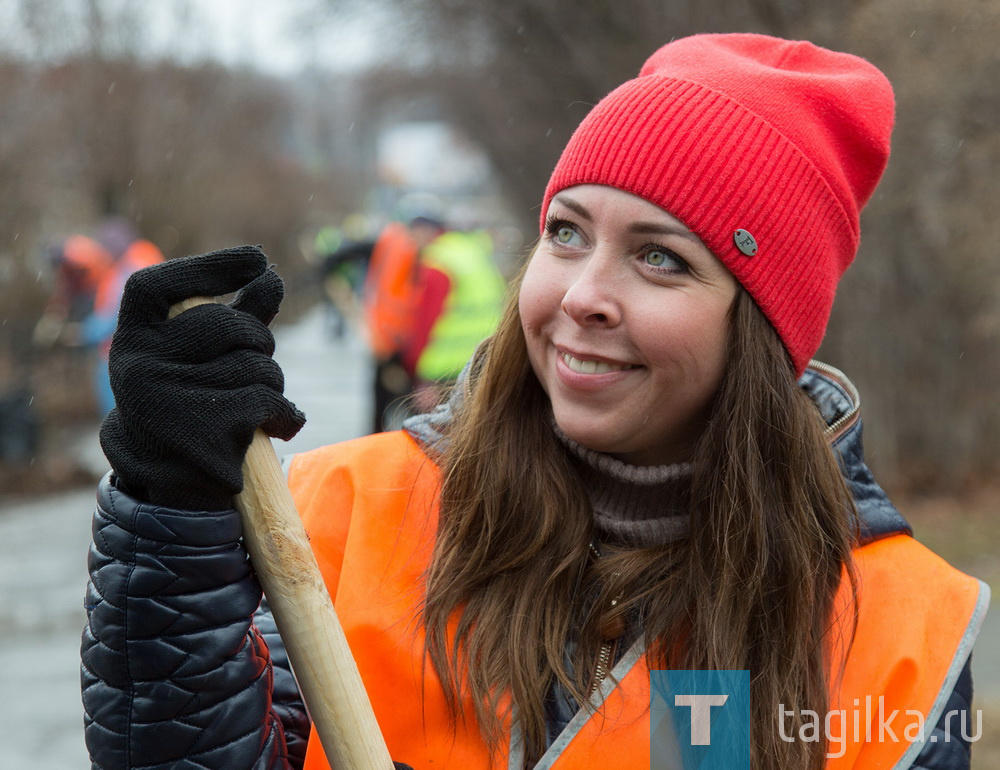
584 366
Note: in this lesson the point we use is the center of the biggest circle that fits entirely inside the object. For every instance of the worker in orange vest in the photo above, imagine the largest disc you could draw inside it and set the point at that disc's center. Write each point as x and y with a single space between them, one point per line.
390 298
128 253
79 263
643 470
461 293
431 296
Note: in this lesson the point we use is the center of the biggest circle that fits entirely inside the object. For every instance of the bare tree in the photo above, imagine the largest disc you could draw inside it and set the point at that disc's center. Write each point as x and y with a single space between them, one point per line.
197 155
919 313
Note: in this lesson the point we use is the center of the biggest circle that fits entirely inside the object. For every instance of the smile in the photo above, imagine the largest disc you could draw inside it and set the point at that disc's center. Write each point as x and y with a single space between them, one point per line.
592 367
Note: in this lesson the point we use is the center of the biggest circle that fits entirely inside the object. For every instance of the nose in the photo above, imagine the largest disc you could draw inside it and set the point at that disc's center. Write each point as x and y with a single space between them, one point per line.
592 297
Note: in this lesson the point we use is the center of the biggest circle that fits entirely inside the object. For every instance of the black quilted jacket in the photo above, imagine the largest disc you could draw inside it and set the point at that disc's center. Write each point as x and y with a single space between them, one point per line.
183 668
176 671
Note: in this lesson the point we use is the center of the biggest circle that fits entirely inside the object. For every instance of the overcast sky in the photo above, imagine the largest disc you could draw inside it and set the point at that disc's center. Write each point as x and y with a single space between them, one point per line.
277 37
272 35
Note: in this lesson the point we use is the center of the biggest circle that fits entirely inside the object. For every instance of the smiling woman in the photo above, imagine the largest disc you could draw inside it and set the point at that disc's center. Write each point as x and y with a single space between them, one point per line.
626 317
641 469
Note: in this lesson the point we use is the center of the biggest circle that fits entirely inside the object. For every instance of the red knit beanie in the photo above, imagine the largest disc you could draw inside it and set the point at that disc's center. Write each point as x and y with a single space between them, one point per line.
767 149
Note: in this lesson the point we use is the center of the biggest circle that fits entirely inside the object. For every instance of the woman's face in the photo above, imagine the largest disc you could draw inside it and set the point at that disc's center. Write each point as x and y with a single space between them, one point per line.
625 313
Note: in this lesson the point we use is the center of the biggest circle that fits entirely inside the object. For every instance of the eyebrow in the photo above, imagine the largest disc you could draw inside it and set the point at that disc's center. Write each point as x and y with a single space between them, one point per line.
639 228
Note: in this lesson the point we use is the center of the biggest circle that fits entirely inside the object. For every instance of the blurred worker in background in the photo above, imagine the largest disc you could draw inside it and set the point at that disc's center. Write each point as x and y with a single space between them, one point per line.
389 298
460 295
128 253
431 296
79 263
343 254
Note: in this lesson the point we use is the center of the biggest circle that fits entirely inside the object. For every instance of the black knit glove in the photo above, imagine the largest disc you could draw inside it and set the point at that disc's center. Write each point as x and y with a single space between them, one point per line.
191 390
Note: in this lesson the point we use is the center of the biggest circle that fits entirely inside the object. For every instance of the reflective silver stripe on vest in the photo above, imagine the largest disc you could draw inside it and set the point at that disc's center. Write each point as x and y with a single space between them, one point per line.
957 664
516 757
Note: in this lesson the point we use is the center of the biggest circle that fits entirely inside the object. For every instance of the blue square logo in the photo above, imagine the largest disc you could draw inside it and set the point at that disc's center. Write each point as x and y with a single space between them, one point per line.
699 720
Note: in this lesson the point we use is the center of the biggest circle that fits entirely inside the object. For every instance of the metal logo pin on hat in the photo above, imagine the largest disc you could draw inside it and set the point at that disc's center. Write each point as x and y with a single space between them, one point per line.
745 242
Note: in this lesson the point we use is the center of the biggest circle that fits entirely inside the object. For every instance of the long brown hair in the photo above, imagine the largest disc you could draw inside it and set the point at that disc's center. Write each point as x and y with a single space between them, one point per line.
751 588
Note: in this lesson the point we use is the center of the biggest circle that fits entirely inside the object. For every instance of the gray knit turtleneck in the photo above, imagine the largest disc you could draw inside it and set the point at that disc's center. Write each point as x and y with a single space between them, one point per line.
634 505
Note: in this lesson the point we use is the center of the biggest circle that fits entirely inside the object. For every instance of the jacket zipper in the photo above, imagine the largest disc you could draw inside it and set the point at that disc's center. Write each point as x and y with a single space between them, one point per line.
603 661
607 646
839 426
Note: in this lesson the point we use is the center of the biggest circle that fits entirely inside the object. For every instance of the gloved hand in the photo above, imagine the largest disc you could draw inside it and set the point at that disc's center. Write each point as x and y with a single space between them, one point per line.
191 390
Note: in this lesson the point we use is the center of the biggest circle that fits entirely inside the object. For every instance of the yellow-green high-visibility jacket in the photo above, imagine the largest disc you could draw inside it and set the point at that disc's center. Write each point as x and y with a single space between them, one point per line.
472 308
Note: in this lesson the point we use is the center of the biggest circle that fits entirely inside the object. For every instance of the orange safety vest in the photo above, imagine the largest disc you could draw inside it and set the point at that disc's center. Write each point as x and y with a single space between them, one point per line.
370 508
108 296
139 254
390 291
89 257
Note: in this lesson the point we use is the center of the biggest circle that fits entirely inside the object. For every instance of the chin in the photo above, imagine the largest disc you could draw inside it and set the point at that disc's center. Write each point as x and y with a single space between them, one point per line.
591 439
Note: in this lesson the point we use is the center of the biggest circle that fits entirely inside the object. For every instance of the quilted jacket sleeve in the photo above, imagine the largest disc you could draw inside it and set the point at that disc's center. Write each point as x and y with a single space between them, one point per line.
949 744
174 671
286 699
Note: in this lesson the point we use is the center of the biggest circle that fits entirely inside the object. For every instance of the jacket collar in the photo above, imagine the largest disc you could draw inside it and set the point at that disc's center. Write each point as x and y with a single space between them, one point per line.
834 395
838 402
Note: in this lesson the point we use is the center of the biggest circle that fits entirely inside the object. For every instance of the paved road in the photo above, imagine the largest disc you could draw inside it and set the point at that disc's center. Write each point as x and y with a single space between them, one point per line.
43 565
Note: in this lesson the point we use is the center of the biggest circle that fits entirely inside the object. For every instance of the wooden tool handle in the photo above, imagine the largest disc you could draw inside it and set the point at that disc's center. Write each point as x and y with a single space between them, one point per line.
324 667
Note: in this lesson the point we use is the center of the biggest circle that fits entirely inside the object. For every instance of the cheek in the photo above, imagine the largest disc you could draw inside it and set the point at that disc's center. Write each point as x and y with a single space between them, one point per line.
535 299
694 343
713 345
525 308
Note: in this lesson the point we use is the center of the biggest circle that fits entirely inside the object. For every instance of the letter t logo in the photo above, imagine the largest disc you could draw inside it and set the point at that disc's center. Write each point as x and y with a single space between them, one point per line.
701 715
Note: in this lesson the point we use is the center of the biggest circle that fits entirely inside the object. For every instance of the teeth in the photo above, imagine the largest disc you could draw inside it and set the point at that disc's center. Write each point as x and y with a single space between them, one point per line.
591 367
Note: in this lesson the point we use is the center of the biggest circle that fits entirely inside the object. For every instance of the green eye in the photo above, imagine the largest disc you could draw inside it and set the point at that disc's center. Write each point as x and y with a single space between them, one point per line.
663 259
564 234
